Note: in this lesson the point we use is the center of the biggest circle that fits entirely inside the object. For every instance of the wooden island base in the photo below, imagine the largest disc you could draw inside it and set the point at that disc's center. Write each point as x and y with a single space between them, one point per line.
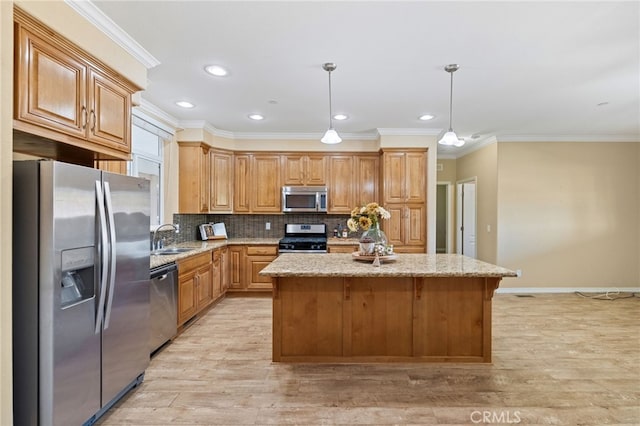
382 319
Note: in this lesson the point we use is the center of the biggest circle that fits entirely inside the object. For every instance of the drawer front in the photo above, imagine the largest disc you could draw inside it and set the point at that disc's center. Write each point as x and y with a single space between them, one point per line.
195 261
262 250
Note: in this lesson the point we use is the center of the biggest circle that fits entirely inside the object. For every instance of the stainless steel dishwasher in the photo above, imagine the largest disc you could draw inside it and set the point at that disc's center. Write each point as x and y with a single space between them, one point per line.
164 305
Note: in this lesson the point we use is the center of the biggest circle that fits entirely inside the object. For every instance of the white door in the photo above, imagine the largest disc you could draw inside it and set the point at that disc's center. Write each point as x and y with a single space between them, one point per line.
466 215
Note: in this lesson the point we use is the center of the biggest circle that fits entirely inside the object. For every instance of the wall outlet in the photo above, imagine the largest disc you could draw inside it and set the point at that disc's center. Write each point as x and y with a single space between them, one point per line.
518 273
267 226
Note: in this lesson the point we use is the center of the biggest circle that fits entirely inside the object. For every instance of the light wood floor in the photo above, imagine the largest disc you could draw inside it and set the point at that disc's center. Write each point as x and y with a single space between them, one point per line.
557 360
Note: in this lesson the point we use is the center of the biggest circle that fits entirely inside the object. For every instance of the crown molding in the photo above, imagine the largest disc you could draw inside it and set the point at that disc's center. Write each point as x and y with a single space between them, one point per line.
568 138
91 13
149 109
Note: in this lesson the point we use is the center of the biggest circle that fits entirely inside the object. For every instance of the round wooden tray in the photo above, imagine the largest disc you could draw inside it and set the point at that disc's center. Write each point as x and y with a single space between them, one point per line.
371 257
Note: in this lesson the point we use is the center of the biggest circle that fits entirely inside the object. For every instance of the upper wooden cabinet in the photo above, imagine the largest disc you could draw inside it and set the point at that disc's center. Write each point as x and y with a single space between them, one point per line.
404 176
205 179
367 171
221 184
194 173
65 95
256 183
341 184
301 169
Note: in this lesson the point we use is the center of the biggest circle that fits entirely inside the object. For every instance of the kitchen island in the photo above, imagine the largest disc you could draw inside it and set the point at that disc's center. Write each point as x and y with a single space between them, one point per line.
414 308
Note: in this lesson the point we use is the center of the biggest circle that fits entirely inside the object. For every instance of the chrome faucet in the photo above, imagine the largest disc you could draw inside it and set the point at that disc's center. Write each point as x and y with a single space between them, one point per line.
156 244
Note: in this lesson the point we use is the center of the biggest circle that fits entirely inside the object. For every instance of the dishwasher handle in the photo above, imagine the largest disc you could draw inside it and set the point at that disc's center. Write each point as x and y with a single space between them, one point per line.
161 272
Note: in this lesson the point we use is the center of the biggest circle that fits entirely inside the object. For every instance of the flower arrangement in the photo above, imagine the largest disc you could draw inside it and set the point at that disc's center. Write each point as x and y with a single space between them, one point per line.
367 216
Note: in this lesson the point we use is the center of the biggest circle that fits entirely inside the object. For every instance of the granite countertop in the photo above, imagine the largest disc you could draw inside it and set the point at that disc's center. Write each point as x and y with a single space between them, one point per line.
202 246
405 265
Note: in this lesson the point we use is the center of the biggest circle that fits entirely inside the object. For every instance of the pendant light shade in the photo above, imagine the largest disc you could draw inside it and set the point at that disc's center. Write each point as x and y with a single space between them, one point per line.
331 136
450 138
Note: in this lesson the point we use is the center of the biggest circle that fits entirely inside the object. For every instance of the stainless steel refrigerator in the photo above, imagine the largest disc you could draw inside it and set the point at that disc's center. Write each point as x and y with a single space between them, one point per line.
80 290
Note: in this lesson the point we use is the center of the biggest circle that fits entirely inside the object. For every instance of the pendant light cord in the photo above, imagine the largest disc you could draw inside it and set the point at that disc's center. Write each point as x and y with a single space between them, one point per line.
330 113
451 104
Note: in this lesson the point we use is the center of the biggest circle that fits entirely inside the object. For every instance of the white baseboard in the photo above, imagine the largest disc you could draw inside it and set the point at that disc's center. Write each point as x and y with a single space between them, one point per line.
529 290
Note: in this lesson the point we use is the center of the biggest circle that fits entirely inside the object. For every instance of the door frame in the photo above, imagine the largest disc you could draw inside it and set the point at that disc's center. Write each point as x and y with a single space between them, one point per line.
450 234
460 208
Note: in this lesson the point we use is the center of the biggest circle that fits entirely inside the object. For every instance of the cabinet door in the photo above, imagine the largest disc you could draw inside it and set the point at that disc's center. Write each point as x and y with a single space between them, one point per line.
216 274
221 174
186 297
340 188
416 177
109 113
394 226
51 84
194 169
225 269
316 170
293 169
394 176
416 226
204 283
265 190
367 176
241 182
236 273
255 264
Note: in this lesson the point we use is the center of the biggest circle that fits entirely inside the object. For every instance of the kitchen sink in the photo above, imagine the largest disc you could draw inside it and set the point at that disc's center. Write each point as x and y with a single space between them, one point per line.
170 250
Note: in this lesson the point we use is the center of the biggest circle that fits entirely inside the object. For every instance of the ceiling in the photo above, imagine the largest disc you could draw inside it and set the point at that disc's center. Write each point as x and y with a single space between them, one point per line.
541 71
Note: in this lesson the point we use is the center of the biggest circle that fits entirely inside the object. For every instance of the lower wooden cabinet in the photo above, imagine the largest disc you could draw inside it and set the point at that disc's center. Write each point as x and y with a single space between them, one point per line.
246 262
195 285
342 249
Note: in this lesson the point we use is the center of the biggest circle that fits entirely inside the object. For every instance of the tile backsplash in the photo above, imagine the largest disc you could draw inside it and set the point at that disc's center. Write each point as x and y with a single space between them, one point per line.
252 225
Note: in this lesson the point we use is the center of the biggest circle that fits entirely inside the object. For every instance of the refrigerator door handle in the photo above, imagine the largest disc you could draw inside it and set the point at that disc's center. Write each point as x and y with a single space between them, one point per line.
112 265
105 256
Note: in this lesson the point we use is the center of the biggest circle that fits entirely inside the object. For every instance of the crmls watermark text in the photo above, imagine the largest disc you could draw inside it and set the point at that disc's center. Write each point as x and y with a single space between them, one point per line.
489 417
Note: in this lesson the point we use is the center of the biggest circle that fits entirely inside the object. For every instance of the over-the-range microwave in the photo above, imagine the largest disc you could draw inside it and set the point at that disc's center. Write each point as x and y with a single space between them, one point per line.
304 199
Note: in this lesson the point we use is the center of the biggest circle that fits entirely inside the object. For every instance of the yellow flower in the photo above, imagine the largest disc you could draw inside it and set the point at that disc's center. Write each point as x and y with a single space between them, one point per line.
366 216
364 222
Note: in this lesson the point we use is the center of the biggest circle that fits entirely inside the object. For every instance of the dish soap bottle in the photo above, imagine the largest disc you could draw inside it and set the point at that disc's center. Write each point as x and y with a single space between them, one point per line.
339 230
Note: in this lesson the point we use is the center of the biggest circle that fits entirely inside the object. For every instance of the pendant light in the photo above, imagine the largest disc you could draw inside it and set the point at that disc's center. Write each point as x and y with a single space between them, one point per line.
450 137
331 136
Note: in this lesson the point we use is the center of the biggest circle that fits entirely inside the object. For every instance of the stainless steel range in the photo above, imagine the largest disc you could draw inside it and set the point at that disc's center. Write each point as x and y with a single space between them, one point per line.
304 238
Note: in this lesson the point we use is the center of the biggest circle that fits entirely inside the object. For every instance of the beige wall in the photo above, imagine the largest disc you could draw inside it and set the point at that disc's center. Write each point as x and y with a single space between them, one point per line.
569 214
6 94
448 173
483 165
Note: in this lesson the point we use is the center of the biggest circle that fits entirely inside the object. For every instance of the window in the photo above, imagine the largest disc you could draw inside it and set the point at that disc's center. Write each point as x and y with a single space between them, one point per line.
147 143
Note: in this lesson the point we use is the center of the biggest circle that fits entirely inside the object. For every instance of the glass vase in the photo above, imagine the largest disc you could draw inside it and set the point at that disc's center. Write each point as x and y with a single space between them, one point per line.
373 240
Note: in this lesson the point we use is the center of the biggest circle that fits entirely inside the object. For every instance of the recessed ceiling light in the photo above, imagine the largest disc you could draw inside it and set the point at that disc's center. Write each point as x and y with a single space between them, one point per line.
256 117
426 117
340 117
185 104
216 70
